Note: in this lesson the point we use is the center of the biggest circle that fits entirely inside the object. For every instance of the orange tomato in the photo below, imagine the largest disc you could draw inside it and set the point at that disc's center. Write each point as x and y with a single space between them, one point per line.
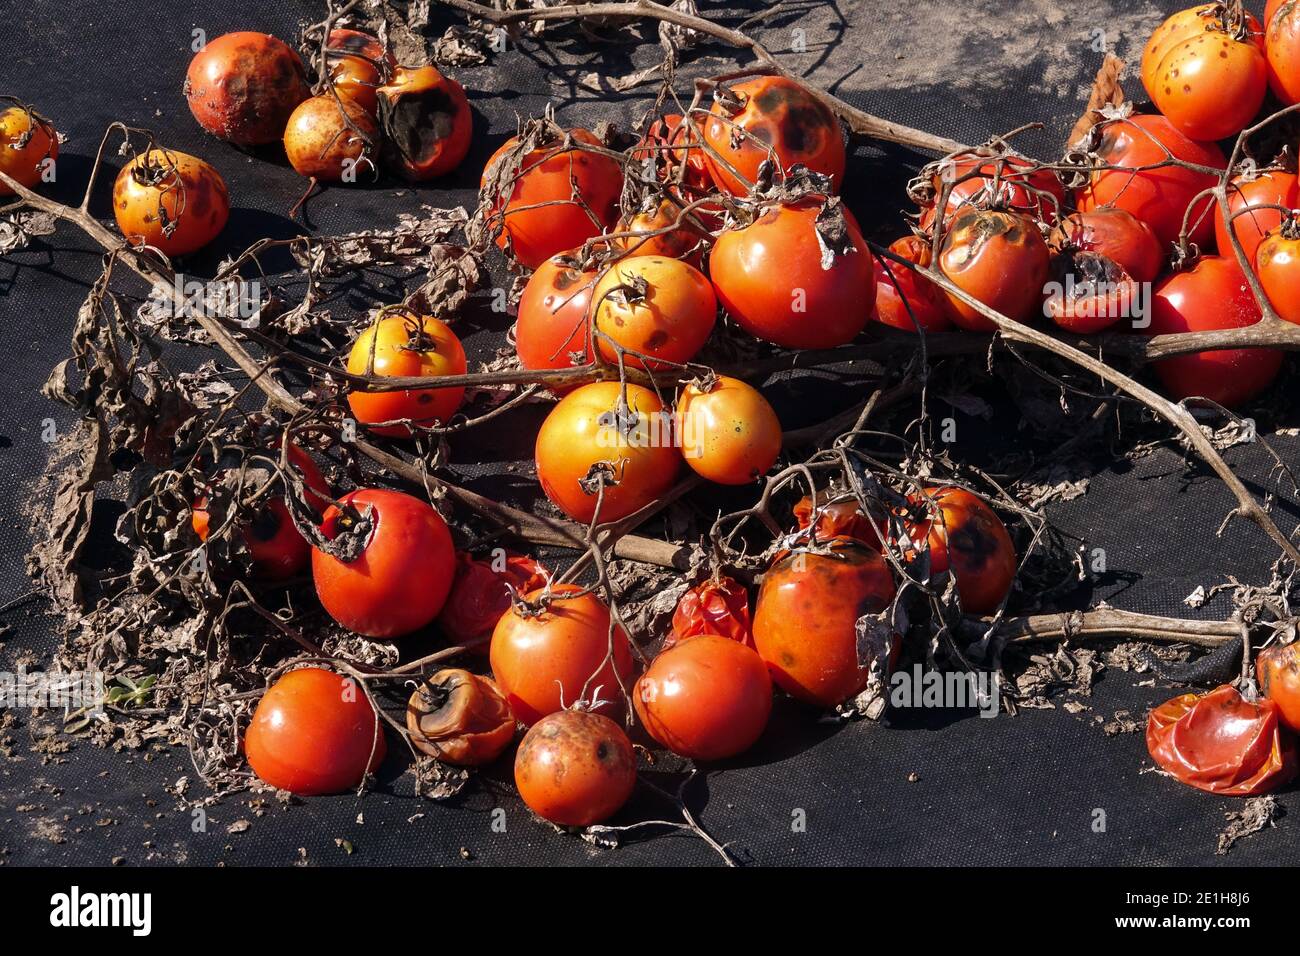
427 123
999 258
969 540
1005 181
242 87
1273 187
24 162
172 201
357 62
685 239
1282 50
1116 234
717 606
575 769
1277 668
656 307
1277 263
401 346
841 516
320 143
728 431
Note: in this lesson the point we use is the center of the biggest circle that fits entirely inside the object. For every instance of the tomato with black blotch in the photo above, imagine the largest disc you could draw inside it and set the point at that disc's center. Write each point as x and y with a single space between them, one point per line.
480 594
397 567
840 516
1277 263
401 345
172 201
575 769
1114 233
242 87
655 308
459 718
906 300
1277 668
358 64
331 140
967 539
1006 181
1090 292
718 606
998 258
314 732
553 310
728 431
27 140
1272 187
427 123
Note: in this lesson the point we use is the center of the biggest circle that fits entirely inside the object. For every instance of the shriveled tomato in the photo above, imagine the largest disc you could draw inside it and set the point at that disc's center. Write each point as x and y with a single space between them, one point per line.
172 201
357 65
552 325
1157 196
574 769
460 718
555 650
665 229
1222 743
1282 50
242 87
1114 233
728 431
480 594
27 141
427 123
771 279
1277 668
405 345
1273 187
1277 263
806 620
393 565
999 258
707 699
555 198
770 118
592 437
1213 295
906 300
314 732
840 515
656 308
987 179
332 140
968 540
1204 69
717 606
1090 292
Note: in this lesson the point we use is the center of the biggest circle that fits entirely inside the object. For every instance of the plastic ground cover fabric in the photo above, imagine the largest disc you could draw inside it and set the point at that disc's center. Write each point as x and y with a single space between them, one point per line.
924 788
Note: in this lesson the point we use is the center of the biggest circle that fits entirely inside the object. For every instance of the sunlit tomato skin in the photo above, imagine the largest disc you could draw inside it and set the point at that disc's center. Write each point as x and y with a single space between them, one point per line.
172 201
590 433
552 323
548 658
460 718
400 346
1221 743
719 607
971 542
427 123
1116 234
1282 49
1158 197
655 307
357 63
728 431
999 258
769 278
805 621
1277 668
841 518
706 699
1277 263
314 732
400 580
1213 295
906 300
541 216
241 87
480 594
1273 187
39 142
575 769
770 117
1005 181
685 238
322 144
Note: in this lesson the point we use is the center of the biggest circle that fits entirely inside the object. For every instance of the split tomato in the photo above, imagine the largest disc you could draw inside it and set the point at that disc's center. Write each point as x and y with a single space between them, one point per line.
427 123
655 308
1277 668
968 539
460 718
27 141
172 201
727 430
1271 188
717 606
906 300
242 87
575 769
400 346
999 258
480 594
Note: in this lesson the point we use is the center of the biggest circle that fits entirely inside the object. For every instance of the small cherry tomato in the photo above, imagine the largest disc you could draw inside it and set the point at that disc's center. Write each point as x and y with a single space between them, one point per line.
427 123
559 649
400 346
27 140
357 64
460 718
970 541
552 324
770 118
1000 259
1004 181
1273 187
667 231
772 279
331 139
172 201
906 300
574 769
242 87
1222 743
591 437
1277 263
841 516
480 594
727 430
314 732
1277 668
1116 234
396 565
714 606
655 307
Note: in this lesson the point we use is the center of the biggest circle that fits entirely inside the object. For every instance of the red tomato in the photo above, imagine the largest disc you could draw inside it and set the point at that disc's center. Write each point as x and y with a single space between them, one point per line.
1000 259
1272 187
906 300
655 307
1004 181
970 541
1116 234
1221 743
707 699
552 323
1277 668
314 732
1277 263
1213 295
1090 292
242 87
400 579
841 517
575 769
719 607
460 718
684 165
1282 50
727 430
427 123
480 594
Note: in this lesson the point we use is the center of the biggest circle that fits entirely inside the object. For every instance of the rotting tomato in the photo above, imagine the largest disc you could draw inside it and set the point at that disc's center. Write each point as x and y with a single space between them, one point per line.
551 329
357 65
806 621
1221 743
770 276
684 236
1272 187
999 258
330 139
655 308
718 606
1114 233
392 566
841 516
557 648
556 199
592 439
480 594
404 345
1277 263
575 769
172 201
1090 292
1157 196
727 430
706 699
1282 49
427 123
1005 181
242 87
1277 668
906 300
1213 295
27 141
459 718
314 732
770 118
967 539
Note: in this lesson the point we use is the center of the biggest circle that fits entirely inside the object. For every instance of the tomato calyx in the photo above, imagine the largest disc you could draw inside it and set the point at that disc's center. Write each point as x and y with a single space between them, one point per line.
35 121
350 532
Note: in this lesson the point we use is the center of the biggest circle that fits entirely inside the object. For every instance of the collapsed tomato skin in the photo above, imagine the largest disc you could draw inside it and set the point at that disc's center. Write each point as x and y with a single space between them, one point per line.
706 699
314 732
427 123
460 718
1090 293
170 200
401 346
1277 668
971 542
1221 743
670 321
1277 263
1116 234
400 581
805 621
552 322
575 769
320 143
480 594
718 607
1272 187
1282 50
1000 259
898 287
242 86
728 431
24 163
1213 295
843 518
